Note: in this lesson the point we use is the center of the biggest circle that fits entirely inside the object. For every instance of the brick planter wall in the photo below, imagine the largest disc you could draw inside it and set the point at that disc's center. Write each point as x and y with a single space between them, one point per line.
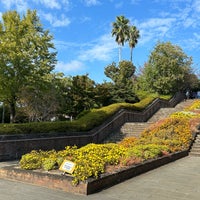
63 182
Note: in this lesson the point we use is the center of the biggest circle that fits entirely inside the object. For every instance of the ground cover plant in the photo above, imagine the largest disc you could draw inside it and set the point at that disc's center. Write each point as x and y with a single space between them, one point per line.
170 135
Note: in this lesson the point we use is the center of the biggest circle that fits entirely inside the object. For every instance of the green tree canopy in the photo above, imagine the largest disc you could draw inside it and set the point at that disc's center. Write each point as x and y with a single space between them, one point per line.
124 32
121 75
166 70
43 101
27 54
133 38
80 94
120 31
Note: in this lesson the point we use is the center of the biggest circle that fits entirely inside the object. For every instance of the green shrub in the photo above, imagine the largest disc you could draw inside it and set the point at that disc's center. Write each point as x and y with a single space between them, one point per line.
49 163
147 151
32 160
87 121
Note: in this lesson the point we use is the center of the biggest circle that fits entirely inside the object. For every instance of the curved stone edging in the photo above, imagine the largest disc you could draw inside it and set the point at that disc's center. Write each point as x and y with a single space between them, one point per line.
64 183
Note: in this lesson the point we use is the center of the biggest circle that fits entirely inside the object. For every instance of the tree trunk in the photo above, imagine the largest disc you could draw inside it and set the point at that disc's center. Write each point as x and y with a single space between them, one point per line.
131 54
120 53
3 113
12 112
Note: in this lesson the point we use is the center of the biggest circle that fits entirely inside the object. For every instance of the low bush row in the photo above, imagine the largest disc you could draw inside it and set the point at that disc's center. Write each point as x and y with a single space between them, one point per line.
86 122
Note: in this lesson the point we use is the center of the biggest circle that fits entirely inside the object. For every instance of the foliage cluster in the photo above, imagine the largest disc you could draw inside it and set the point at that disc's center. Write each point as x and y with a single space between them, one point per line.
175 133
125 32
27 59
194 106
86 122
31 91
122 77
90 160
167 71
166 136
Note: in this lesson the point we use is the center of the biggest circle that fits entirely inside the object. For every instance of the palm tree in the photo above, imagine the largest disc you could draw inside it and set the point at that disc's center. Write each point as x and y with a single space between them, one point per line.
121 31
133 38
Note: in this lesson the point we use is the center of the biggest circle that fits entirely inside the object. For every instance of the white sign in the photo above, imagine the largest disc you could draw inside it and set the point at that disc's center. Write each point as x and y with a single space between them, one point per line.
67 166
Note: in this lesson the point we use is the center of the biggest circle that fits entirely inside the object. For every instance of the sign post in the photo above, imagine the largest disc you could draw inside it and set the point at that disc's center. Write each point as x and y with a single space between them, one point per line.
67 166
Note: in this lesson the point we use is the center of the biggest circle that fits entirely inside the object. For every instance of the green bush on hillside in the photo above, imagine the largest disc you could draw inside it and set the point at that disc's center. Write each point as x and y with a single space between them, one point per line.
86 122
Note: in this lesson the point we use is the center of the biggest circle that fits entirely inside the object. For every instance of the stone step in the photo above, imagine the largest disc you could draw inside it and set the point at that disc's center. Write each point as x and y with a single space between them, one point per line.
195 150
161 114
166 112
130 127
134 129
196 146
196 143
197 154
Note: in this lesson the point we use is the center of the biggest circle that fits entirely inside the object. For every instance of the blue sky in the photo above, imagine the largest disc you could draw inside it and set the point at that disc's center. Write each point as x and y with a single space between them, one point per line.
82 30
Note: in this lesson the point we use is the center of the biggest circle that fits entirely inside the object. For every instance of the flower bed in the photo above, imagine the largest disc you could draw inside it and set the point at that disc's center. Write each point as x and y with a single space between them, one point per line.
55 180
158 144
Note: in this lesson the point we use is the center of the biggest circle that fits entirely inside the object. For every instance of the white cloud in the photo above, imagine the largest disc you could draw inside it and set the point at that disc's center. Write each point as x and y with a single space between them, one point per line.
91 2
8 3
72 66
54 21
135 1
63 45
53 4
155 28
196 5
189 22
157 22
119 5
192 43
102 50
19 5
85 19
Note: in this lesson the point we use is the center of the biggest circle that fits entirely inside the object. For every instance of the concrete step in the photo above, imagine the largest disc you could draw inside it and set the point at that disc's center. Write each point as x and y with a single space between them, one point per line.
195 150
161 114
196 146
166 112
134 129
194 154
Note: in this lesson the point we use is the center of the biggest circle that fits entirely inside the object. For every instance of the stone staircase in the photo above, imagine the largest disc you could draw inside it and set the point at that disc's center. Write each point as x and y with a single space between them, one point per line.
195 149
134 129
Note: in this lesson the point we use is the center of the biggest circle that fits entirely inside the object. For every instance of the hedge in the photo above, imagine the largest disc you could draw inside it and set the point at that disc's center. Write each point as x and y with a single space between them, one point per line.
86 122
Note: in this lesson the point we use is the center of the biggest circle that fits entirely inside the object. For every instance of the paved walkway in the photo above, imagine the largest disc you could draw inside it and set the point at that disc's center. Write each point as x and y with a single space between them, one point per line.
179 180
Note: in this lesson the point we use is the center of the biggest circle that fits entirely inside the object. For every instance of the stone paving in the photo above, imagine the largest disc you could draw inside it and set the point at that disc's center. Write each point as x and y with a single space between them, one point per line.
179 180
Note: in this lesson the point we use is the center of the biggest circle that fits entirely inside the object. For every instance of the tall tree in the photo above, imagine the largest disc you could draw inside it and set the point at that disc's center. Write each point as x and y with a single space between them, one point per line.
80 95
121 75
103 94
44 101
167 69
26 55
121 32
133 38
